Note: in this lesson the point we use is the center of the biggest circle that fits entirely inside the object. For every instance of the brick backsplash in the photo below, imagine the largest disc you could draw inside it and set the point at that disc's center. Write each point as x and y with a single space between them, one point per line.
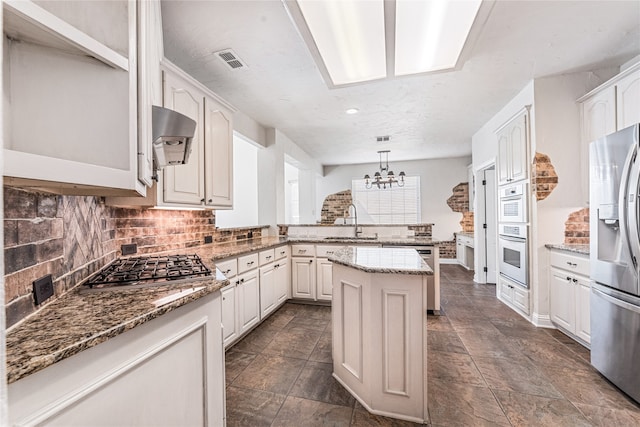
459 202
71 237
576 228
335 206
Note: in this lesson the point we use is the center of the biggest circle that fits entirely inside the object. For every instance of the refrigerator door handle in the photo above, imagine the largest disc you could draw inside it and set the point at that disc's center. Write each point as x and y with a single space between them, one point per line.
616 301
627 205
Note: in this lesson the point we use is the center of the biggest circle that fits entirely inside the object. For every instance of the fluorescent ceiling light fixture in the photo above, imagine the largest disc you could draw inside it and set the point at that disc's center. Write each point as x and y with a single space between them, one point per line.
349 36
354 41
352 111
430 35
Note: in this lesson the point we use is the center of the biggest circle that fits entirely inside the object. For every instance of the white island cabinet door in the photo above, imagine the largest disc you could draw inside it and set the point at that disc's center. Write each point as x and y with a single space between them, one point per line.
267 291
229 313
184 184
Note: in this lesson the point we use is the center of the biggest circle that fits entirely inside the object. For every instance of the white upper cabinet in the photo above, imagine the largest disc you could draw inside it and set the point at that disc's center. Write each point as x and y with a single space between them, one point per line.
512 149
207 178
150 53
218 155
610 107
184 184
70 96
628 100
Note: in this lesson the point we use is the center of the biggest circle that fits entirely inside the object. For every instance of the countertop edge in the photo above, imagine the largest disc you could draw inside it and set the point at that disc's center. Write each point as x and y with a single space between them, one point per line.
574 249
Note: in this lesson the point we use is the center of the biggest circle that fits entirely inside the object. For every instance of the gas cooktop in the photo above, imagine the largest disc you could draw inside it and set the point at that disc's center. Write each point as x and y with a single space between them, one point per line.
147 270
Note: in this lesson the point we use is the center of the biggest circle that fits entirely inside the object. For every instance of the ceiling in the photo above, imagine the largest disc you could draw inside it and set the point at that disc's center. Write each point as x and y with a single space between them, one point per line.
427 116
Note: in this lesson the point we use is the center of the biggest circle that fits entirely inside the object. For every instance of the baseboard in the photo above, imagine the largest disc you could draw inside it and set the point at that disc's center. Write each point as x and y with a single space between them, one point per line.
542 321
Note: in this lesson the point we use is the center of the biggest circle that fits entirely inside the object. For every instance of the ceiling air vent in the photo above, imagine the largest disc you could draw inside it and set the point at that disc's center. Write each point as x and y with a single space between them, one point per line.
230 58
385 138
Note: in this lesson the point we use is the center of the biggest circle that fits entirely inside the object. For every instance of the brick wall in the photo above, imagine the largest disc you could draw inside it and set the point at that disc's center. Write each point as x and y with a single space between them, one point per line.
459 202
71 237
576 228
448 249
543 177
335 206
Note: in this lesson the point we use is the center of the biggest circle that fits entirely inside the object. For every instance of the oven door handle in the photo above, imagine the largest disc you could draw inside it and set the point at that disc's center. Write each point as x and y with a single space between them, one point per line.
513 239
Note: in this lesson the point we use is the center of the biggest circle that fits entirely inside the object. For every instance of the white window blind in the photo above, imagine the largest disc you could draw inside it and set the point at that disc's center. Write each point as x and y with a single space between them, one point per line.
395 205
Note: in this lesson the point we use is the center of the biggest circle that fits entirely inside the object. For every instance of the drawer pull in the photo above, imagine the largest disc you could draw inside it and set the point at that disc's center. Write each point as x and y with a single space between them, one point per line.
301 251
568 279
329 252
572 264
250 263
575 280
227 271
268 257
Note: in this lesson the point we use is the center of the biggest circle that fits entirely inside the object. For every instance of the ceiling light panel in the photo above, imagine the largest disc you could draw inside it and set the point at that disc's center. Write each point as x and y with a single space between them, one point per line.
349 35
430 34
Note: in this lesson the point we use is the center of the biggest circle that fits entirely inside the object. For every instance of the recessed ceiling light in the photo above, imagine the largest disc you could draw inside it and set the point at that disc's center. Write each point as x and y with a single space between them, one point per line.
352 111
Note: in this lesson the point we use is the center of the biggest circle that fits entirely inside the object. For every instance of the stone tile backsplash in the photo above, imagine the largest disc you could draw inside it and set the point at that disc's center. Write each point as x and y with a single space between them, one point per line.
71 237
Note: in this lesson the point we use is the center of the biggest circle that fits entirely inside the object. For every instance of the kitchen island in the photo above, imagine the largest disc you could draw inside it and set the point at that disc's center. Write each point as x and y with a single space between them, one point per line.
379 313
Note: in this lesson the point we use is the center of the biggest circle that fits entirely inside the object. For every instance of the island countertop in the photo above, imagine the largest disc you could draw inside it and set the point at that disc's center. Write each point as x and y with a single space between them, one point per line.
382 260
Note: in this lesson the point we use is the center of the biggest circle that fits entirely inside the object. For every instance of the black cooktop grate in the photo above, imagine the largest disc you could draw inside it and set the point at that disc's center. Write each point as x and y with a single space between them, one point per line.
136 270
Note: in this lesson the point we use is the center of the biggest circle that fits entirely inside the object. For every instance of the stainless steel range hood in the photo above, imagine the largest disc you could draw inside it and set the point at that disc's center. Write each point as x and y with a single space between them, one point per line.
172 136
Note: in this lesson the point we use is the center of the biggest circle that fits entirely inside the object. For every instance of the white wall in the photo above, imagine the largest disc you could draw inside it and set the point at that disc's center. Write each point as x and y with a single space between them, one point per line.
437 179
271 197
245 187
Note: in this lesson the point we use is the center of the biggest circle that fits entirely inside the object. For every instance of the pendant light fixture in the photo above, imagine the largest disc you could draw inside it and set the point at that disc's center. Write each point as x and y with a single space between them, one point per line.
390 177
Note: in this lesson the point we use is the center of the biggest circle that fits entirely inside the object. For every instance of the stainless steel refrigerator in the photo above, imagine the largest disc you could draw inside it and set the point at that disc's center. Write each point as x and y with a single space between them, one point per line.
615 258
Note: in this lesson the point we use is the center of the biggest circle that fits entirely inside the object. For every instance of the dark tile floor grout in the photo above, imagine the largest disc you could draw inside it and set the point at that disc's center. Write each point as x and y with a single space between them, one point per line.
486 366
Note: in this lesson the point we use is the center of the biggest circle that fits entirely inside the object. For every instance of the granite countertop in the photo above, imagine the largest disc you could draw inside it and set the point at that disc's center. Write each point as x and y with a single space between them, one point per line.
464 233
382 260
79 320
408 241
578 249
359 225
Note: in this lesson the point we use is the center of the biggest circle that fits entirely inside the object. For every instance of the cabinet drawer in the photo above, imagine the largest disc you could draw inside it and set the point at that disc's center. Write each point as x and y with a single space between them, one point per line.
267 256
229 267
247 262
303 250
326 251
574 263
282 252
521 299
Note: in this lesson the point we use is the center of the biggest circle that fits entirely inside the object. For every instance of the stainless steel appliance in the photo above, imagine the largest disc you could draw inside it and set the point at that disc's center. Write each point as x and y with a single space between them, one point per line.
614 258
513 203
431 255
172 136
136 272
512 257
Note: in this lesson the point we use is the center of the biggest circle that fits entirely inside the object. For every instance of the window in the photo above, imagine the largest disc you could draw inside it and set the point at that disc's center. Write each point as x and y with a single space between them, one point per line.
395 205
245 187
291 194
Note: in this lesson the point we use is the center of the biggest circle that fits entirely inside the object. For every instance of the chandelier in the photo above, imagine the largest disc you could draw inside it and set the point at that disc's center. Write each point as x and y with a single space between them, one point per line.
390 178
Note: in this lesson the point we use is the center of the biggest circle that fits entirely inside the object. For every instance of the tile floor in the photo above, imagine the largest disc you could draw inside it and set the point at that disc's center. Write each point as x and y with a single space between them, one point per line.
486 366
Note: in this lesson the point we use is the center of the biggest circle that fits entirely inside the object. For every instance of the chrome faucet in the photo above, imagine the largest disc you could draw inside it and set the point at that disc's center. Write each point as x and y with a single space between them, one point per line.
355 213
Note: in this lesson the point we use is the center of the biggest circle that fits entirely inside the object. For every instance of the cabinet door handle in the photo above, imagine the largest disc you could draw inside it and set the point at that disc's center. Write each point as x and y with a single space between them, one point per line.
575 280
568 279
241 280
210 200
310 261
201 200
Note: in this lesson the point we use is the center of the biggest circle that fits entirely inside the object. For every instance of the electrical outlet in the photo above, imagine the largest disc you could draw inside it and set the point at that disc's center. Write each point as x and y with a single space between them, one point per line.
208 239
42 289
129 249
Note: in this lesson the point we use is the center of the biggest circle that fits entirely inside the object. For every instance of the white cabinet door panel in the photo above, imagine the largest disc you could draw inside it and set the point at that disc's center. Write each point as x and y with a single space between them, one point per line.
282 282
248 300
628 100
218 155
267 291
562 300
229 314
324 282
303 277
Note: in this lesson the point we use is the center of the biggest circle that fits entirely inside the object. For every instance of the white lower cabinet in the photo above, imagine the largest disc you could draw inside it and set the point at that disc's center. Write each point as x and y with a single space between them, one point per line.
282 282
303 277
229 314
168 371
267 290
324 279
569 294
248 300
514 295
253 293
